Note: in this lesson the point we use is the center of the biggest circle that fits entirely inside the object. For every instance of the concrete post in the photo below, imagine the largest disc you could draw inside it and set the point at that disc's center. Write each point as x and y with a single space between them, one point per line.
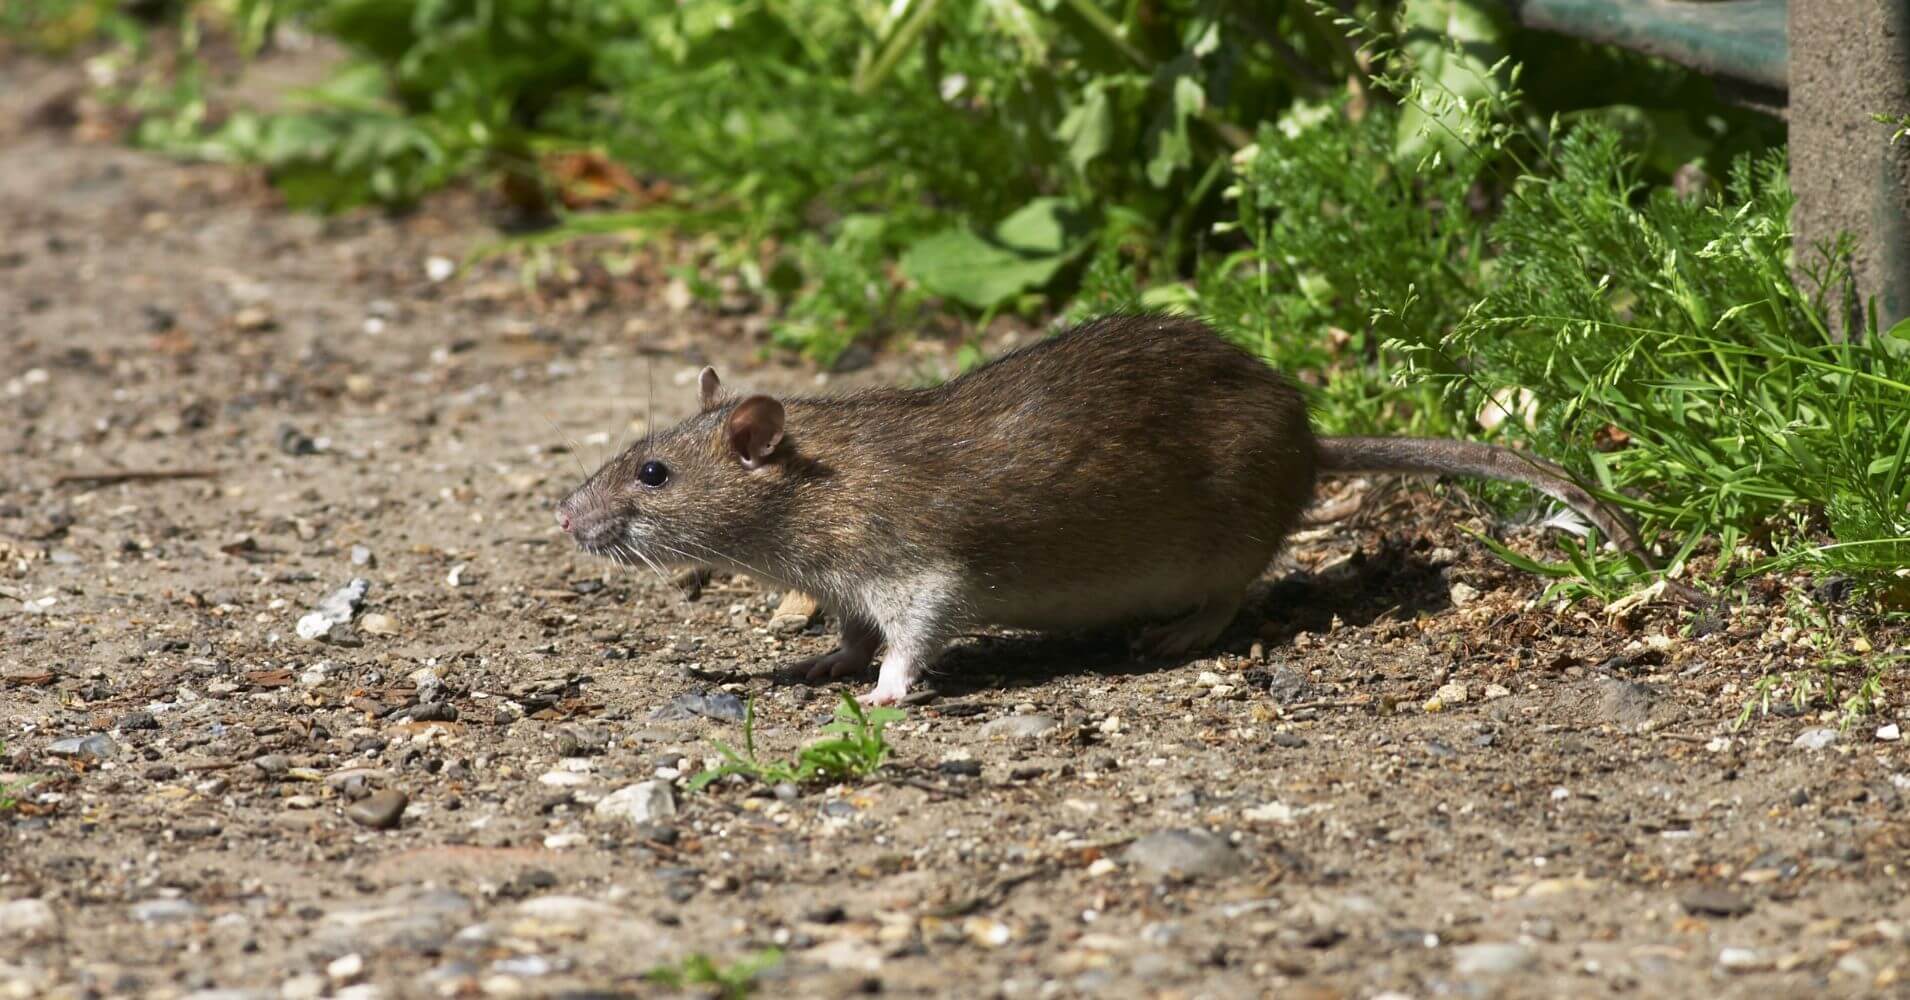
1851 59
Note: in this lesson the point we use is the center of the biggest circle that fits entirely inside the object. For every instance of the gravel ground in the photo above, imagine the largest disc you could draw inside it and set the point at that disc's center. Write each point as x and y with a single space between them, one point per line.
1399 776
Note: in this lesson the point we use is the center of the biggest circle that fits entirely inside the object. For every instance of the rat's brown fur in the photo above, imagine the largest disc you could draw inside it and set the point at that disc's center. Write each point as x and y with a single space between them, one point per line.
1134 468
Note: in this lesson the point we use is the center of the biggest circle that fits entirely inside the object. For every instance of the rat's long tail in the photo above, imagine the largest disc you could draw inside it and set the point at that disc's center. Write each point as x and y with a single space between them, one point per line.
1441 457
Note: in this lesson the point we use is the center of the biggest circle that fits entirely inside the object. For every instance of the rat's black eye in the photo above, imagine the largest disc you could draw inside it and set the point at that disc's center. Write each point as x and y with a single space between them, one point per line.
653 474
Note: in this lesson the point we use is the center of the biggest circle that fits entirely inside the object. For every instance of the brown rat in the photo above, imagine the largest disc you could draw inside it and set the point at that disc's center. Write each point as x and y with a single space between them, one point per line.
1136 468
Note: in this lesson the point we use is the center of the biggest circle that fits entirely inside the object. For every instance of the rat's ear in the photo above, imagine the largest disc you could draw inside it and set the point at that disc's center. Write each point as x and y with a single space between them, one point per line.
754 429
707 384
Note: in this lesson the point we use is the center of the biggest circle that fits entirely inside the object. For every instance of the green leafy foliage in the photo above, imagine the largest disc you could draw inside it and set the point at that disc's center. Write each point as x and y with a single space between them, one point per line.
732 981
1675 323
1370 194
59 27
1457 46
856 748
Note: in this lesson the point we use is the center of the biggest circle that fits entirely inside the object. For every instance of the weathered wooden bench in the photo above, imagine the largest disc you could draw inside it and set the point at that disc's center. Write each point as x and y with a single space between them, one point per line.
1825 66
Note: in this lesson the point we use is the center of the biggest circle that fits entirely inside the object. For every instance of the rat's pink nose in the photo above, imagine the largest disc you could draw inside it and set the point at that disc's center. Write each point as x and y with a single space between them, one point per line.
563 520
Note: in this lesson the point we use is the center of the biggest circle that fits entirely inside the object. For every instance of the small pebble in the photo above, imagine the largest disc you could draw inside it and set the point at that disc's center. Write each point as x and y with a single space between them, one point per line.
720 705
644 802
346 967
134 721
378 624
1185 853
1018 727
1814 739
379 810
98 746
25 919
336 609
164 911
1714 902
1451 693
1492 958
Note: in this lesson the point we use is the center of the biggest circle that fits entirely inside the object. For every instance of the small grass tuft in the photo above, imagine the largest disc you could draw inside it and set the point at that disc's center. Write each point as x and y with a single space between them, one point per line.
857 747
732 981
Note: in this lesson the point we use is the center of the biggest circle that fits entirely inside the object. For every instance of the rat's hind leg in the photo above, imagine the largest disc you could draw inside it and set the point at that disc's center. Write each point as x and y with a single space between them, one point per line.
852 654
1197 629
918 623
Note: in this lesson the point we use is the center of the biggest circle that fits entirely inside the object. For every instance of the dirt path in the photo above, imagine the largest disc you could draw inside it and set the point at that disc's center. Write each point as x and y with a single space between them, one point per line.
1583 822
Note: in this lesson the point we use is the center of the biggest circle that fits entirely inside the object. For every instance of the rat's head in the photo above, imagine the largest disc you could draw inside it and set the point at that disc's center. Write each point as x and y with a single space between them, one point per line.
694 493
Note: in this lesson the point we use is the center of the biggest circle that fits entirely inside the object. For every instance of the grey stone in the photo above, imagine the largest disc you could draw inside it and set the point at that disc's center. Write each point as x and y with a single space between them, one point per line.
1018 727
98 746
1184 852
132 721
1714 902
165 911
717 705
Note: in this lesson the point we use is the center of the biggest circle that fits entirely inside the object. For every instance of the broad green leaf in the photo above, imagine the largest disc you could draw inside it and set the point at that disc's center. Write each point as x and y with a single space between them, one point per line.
1088 128
1023 253
963 266
1044 225
1173 149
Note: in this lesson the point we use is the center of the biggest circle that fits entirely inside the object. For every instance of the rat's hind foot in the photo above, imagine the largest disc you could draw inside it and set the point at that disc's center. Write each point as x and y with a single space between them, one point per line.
892 685
1196 630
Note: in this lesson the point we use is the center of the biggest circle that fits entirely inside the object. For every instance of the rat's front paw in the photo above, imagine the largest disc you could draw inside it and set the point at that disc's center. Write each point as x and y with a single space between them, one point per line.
842 661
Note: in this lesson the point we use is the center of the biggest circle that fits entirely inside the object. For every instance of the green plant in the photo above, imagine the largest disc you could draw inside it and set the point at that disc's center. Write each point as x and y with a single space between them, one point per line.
1901 123
857 747
1845 673
9 790
1369 194
732 981
58 27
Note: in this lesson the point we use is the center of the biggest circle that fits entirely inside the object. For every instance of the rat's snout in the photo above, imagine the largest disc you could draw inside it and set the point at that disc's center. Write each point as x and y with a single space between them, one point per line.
593 528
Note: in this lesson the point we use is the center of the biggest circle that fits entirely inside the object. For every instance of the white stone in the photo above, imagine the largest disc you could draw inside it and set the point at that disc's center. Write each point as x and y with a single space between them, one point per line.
1492 958
345 967
1814 739
643 802
27 918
